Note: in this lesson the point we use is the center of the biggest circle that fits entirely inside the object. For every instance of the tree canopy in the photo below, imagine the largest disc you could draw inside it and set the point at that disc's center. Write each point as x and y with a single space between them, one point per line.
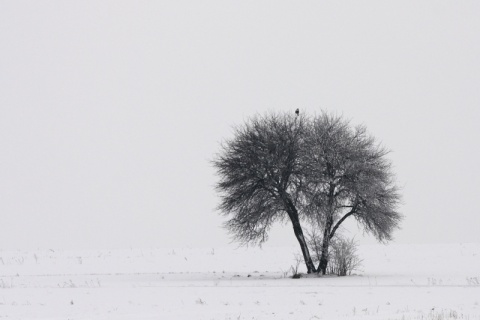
317 170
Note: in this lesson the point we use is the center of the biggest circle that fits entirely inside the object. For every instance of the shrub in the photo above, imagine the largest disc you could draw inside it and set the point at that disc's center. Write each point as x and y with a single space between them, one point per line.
342 253
343 258
294 269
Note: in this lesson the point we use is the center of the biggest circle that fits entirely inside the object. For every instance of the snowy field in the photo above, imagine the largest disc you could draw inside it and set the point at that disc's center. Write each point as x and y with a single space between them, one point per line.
396 282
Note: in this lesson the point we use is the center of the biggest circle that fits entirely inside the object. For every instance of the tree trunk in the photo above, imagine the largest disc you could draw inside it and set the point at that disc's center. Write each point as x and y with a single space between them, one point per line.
322 267
297 229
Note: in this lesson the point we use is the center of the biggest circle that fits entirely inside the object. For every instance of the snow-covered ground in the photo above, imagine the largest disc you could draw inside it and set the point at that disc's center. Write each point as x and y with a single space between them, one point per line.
396 282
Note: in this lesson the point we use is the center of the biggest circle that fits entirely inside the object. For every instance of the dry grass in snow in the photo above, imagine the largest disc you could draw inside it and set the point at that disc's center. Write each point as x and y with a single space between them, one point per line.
436 282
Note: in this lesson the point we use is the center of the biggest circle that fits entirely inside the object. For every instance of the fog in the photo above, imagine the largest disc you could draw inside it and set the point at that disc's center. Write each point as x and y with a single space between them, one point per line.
111 112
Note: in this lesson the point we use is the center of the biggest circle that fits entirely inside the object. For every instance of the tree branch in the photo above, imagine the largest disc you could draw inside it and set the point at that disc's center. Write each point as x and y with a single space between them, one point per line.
339 222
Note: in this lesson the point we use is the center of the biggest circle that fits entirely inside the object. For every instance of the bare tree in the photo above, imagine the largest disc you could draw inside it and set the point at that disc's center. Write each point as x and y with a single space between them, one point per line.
283 167
261 176
346 173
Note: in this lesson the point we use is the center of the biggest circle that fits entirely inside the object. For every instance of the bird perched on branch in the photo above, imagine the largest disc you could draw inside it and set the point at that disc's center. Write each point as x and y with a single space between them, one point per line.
297 112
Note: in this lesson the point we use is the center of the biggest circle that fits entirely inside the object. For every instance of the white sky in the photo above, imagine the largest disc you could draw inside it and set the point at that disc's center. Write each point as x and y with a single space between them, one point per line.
110 112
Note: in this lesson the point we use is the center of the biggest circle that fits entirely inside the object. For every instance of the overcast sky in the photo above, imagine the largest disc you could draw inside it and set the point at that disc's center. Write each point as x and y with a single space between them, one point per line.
110 112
